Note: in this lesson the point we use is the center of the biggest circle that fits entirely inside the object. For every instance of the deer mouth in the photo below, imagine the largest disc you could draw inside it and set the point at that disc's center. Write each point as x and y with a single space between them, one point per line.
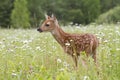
39 30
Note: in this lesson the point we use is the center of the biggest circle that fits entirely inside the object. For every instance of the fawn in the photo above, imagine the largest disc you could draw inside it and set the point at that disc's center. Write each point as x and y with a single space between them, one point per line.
73 44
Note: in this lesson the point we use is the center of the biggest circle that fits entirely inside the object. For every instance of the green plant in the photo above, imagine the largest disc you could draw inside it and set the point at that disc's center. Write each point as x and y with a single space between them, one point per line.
112 16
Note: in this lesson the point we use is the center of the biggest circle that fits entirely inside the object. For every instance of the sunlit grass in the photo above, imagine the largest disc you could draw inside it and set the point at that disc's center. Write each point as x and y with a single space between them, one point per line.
30 55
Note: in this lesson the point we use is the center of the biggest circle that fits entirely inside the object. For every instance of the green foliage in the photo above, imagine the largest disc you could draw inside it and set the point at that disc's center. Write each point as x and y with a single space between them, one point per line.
76 16
112 16
90 9
20 15
81 12
108 4
31 12
6 7
36 12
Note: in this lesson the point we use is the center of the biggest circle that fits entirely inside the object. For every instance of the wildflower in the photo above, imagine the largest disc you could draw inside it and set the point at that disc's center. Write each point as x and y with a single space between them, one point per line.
24 47
110 66
27 41
1 43
54 47
38 48
20 63
118 49
14 74
106 41
65 64
62 69
59 60
117 32
86 78
11 50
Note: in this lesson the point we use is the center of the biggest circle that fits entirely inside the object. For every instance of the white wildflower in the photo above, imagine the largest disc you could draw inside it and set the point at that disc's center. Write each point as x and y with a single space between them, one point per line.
86 78
62 69
118 49
1 42
11 50
110 66
20 63
38 48
27 41
117 32
14 74
59 60
3 46
106 41
54 47
76 24
65 64
24 47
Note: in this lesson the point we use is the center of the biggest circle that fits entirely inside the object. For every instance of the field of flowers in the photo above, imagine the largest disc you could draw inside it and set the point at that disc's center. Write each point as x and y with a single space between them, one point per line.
30 55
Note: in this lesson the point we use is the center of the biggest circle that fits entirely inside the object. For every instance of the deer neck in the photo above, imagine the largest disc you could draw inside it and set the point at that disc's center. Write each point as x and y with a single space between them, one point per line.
59 35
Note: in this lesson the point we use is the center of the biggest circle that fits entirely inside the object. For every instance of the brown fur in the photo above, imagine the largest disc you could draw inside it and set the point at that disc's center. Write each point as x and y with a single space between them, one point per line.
73 44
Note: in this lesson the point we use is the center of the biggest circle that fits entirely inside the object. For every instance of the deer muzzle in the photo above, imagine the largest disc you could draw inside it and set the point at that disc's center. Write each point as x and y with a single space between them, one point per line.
39 30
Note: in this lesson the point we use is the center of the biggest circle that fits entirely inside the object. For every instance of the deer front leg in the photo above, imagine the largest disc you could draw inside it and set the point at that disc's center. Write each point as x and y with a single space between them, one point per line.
75 59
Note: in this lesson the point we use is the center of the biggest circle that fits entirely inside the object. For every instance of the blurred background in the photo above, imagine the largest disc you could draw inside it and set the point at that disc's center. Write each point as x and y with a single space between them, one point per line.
30 13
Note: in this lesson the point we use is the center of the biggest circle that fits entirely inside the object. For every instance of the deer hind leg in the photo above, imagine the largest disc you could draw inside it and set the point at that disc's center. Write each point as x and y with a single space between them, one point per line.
94 56
95 60
83 61
88 52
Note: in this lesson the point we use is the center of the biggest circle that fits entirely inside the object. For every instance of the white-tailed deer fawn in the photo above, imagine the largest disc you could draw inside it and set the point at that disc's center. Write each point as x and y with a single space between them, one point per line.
73 44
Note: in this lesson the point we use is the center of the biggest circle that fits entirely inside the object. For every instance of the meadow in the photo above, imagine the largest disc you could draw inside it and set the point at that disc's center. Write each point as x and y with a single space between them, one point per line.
30 55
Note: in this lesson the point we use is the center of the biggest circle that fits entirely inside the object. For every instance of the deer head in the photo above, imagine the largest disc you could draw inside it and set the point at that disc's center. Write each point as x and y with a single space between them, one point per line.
49 24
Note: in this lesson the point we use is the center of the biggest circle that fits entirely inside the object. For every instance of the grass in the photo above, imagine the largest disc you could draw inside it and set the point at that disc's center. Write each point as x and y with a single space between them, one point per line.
29 55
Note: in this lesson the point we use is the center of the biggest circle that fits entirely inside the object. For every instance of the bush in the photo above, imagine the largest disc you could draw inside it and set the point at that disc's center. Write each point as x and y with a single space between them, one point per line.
20 15
76 16
112 16
6 7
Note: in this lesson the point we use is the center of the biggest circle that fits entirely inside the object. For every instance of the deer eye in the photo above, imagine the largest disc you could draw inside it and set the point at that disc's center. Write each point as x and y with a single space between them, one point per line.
47 25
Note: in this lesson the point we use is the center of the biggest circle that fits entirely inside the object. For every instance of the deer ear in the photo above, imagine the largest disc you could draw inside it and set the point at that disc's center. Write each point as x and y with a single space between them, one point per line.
56 22
53 17
47 17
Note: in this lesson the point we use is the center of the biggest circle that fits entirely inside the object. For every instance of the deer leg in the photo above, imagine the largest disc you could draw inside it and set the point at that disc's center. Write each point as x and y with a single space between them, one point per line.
83 61
94 57
75 59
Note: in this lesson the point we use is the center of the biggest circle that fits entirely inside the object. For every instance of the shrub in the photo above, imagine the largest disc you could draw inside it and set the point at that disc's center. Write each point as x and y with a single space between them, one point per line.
76 16
20 15
112 16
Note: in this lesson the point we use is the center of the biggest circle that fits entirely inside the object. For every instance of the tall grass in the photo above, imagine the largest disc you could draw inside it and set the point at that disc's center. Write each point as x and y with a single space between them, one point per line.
29 55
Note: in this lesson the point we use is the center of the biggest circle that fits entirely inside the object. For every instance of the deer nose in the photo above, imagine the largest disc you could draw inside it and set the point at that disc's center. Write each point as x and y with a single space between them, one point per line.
39 30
